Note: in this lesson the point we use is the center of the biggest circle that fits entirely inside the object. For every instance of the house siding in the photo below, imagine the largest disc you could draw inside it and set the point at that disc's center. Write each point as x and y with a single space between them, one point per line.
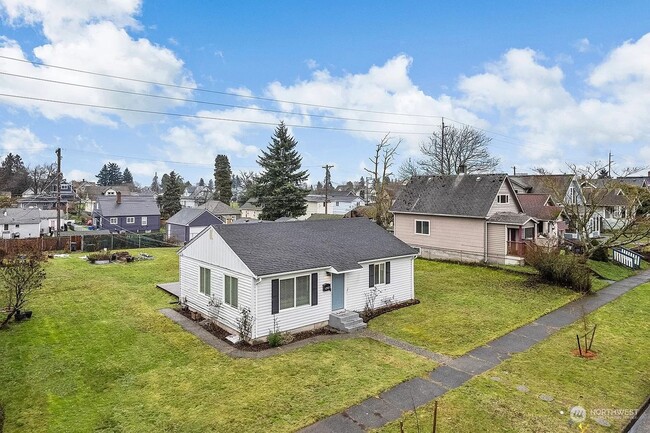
400 288
496 243
153 223
450 238
511 206
29 230
176 232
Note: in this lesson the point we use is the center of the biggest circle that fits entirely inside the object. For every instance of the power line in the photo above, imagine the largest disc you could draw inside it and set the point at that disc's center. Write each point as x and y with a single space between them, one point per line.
197 116
219 104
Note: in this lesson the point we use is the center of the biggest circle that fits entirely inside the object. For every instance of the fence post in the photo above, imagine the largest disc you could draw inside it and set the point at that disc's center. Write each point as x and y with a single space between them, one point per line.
111 241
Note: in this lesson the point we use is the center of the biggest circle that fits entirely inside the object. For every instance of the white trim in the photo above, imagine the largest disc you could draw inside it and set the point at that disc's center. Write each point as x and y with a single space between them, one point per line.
110 220
415 227
130 220
224 291
144 221
388 259
295 287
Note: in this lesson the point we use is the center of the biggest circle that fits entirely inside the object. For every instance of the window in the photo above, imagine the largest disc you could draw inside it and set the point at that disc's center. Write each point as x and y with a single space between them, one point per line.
204 281
130 220
380 273
231 294
529 232
295 292
572 195
337 203
17 225
6 227
144 221
502 198
113 220
422 227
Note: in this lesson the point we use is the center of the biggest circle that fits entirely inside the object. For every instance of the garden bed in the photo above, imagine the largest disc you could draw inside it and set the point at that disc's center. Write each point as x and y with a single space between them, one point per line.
367 316
221 334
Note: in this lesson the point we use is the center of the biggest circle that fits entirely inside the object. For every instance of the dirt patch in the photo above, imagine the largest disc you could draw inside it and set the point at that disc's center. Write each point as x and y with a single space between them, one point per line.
587 354
221 333
387 309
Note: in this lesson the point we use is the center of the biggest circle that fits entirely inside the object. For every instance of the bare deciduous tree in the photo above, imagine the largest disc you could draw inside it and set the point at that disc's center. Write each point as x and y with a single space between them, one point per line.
40 176
408 169
20 275
382 161
452 147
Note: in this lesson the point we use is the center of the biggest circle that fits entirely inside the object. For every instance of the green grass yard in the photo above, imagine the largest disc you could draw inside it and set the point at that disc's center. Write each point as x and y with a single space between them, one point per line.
98 357
465 306
610 270
617 379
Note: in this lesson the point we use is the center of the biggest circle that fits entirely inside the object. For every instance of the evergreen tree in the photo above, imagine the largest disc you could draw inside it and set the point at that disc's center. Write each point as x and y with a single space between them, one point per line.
102 177
127 177
164 182
14 176
279 189
603 174
319 187
222 179
201 182
155 185
115 175
211 185
170 203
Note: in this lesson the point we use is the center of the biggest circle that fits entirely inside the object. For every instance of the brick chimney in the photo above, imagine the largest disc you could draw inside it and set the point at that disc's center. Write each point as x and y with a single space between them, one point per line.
118 200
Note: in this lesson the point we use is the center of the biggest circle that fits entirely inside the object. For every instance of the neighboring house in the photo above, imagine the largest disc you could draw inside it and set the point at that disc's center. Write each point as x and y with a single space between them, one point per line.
614 209
225 213
640 181
189 222
48 221
565 191
295 275
89 193
550 218
342 203
195 196
250 209
316 205
20 223
48 199
465 217
127 214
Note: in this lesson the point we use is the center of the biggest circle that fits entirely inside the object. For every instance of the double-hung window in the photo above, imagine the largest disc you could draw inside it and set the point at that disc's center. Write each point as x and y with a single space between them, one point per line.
380 273
130 220
143 221
529 232
422 227
204 281
295 292
231 290
502 198
113 220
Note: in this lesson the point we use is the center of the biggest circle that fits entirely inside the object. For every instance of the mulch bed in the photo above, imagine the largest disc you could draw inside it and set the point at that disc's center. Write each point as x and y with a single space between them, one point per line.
387 309
221 334
587 354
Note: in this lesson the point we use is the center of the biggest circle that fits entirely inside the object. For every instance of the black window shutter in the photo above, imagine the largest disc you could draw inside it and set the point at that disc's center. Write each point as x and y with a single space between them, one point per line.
387 272
371 279
314 288
275 296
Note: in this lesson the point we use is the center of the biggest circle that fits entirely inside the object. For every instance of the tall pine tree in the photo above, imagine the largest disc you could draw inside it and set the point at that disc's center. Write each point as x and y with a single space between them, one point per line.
222 179
114 173
279 190
170 201
155 185
127 177
102 177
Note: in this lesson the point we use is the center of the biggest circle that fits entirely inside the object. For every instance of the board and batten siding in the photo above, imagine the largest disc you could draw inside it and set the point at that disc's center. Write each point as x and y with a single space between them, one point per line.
511 206
496 242
400 288
452 238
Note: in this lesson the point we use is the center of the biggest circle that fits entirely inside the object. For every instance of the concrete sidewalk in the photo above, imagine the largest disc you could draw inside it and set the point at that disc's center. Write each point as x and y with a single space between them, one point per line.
389 405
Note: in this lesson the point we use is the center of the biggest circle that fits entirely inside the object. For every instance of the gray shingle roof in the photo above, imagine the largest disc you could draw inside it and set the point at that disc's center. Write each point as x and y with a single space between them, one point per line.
219 208
463 195
251 204
275 248
130 206
186 215
19 216
552 184
509 218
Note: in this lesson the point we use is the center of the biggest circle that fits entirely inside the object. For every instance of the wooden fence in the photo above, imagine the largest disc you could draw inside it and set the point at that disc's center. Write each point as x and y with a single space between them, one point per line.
88 243
627 257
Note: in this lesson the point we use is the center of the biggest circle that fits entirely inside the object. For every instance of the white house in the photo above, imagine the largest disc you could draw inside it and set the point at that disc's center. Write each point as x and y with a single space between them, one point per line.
299 273
20 223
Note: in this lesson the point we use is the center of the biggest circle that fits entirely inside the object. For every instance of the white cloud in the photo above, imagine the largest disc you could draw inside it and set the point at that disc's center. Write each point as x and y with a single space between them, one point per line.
22 141
80 34
311 63
583 45
75 174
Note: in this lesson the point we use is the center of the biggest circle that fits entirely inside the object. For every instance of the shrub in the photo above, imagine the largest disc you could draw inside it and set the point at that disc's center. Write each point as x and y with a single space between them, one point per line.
275 336
245 324
557 267
100 255
600 255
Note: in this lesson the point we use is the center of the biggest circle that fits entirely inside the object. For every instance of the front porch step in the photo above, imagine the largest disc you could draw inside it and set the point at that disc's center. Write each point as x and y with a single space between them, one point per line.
346 321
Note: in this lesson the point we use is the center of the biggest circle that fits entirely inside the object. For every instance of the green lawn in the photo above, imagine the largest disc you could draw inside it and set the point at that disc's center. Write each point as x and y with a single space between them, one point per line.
98 357
617 379
464 306
610 270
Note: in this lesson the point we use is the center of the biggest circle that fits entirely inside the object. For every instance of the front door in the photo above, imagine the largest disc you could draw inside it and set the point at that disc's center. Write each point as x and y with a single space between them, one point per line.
338 291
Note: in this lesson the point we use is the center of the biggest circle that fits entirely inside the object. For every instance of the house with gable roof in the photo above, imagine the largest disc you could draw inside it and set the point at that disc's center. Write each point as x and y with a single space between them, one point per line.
467 217
299 275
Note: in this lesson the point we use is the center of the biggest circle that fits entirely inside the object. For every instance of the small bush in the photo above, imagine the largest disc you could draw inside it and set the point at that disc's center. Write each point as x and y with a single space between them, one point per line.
100 255
600 255
557 267
275 336
245 324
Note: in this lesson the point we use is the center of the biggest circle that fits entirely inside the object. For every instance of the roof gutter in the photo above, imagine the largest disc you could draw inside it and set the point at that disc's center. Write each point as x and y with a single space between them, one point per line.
438 214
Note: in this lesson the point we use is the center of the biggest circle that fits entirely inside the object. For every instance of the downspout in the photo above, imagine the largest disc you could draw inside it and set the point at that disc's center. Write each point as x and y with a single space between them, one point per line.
485 242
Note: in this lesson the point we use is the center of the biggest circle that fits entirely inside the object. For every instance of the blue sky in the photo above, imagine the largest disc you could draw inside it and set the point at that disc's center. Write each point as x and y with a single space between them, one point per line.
553 82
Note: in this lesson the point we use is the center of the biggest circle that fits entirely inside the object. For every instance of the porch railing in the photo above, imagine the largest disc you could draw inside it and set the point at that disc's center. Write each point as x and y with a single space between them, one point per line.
517 248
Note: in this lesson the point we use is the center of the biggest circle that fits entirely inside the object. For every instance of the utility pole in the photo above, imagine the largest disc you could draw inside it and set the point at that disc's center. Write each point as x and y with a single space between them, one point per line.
609 165
58 198
514 170
327 182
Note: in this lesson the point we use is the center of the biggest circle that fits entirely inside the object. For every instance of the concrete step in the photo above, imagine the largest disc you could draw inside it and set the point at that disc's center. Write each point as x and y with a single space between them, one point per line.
346 321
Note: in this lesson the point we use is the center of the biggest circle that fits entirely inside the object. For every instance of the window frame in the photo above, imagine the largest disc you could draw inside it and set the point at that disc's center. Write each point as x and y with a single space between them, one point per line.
380 273
526 236
130 220
502 200
144 221
227 291
295 292
428 233
202 281
113 220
